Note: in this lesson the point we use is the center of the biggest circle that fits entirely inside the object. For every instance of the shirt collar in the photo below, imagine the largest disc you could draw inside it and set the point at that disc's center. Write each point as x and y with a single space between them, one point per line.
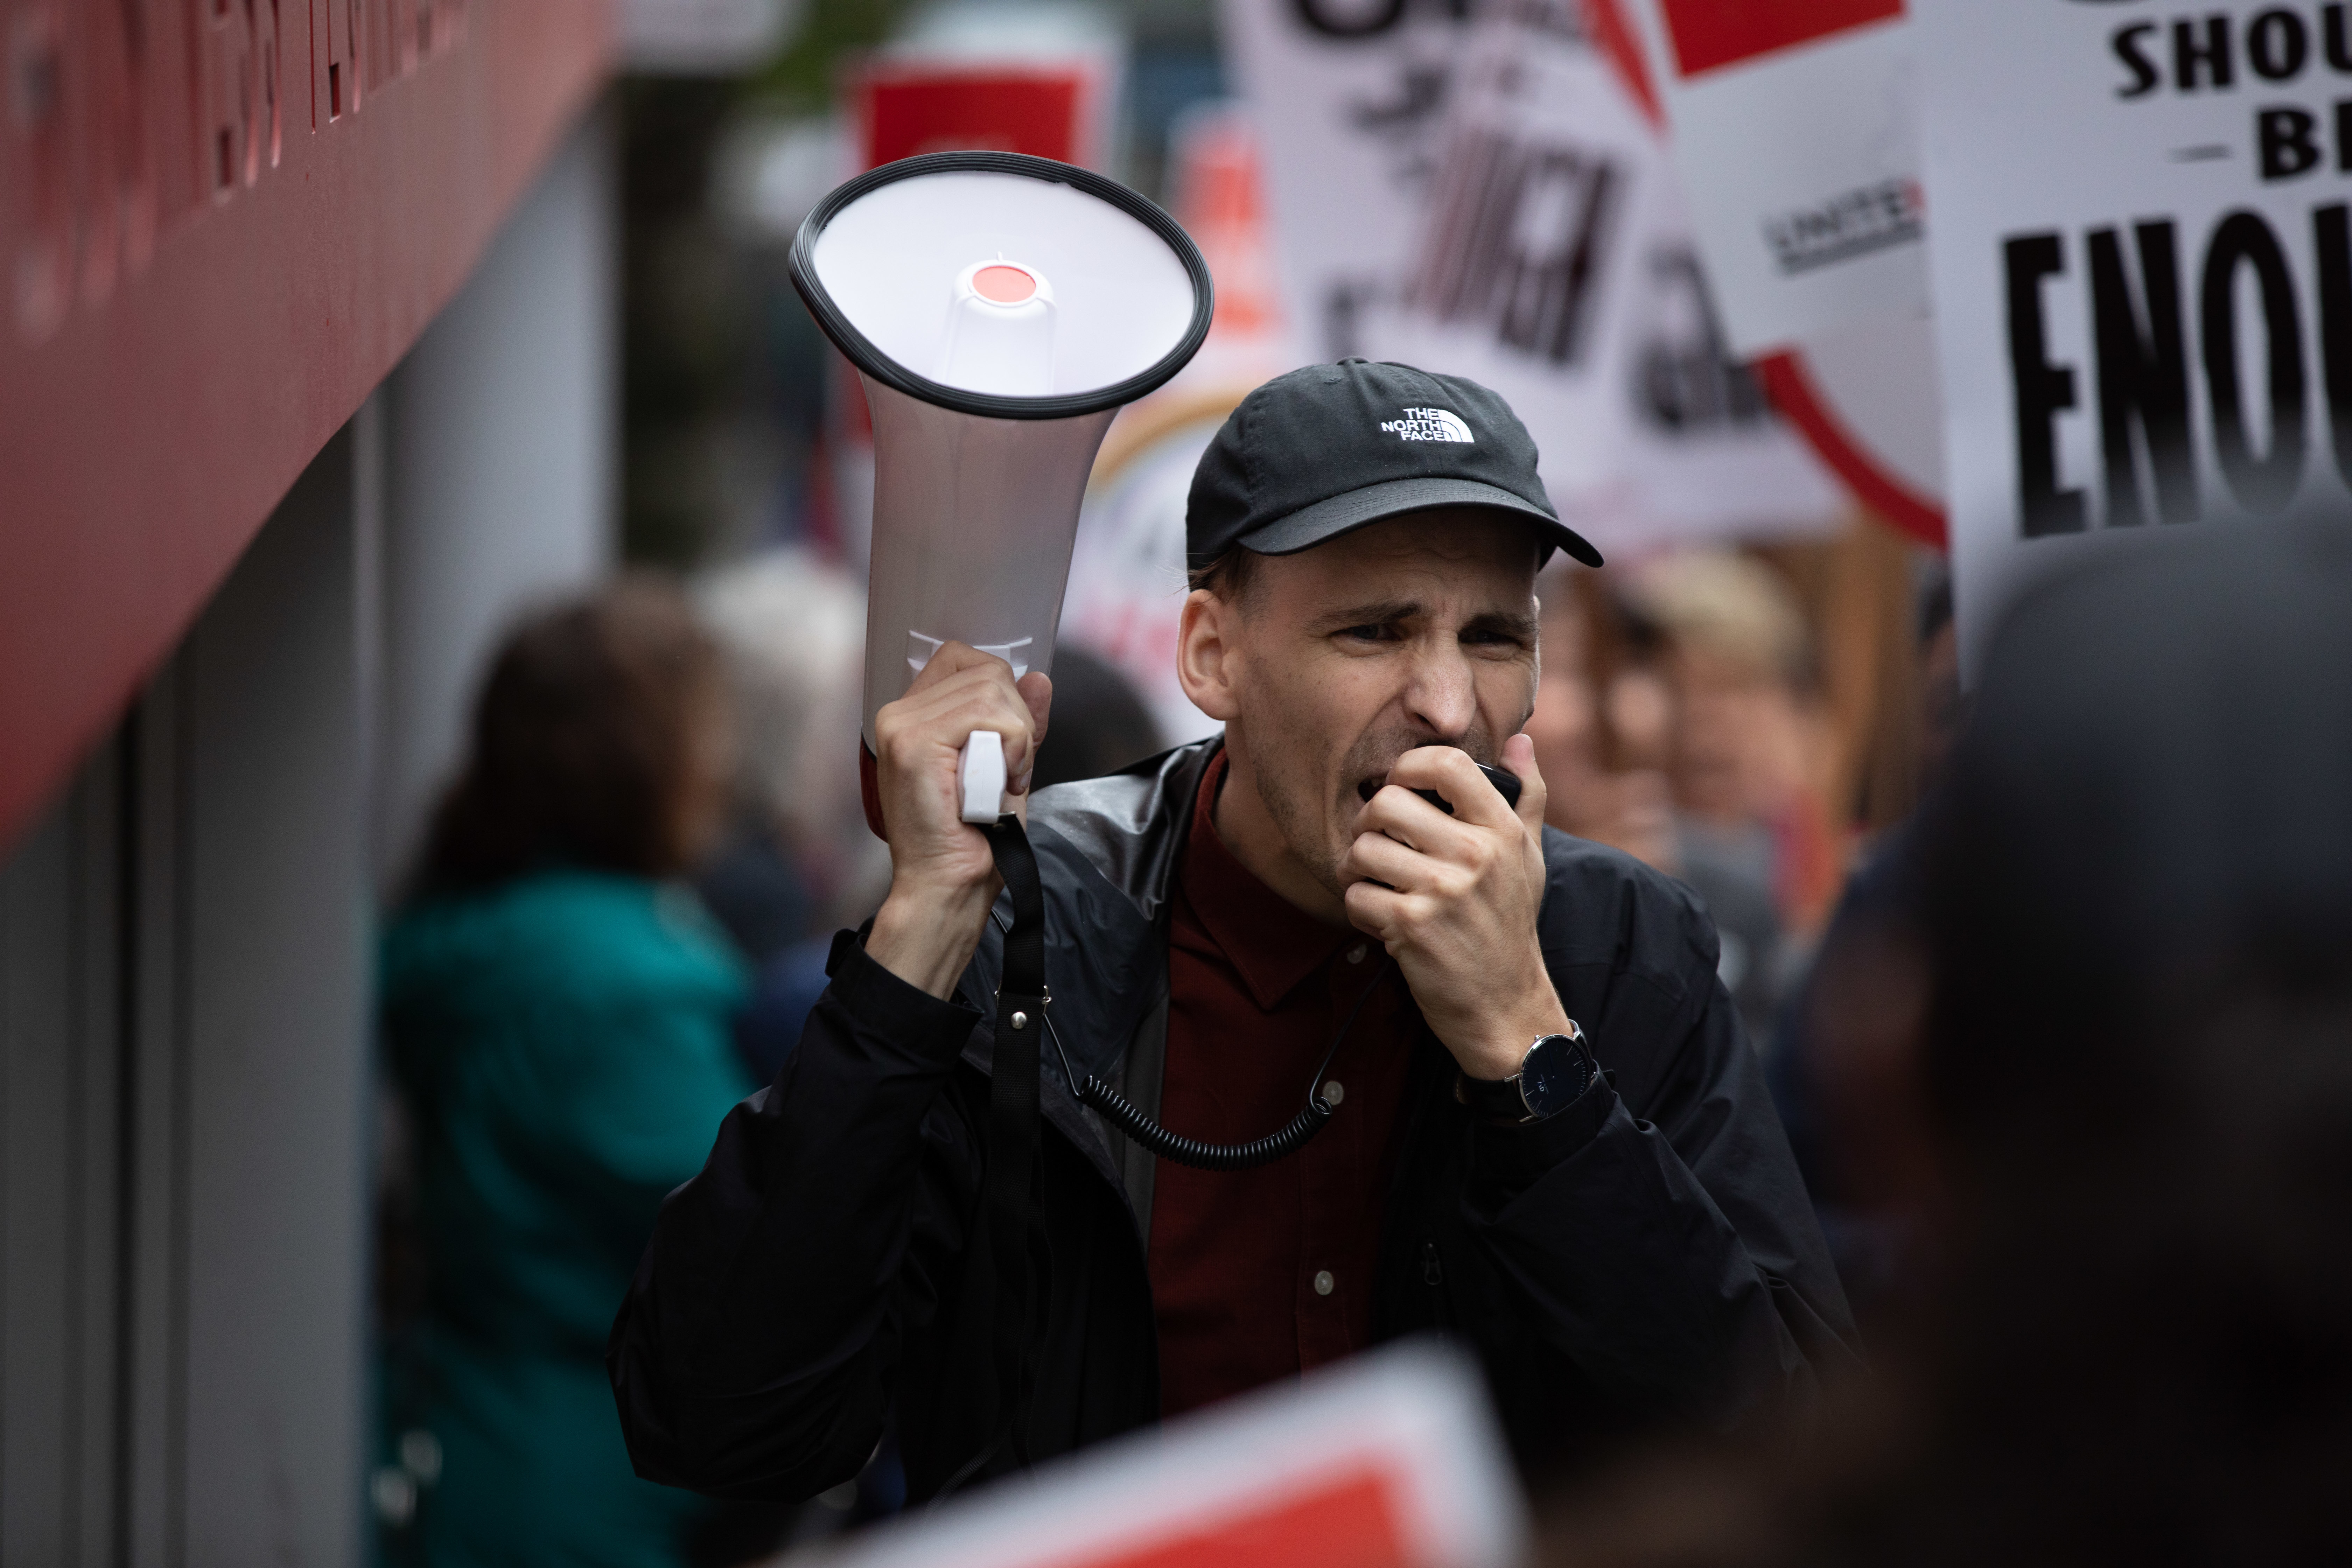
1271 944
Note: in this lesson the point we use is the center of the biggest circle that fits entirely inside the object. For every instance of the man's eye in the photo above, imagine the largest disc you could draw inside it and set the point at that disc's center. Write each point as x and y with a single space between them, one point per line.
1366 633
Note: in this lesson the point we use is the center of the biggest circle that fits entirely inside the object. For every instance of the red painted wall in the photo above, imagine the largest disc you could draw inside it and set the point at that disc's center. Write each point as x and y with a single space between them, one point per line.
222 222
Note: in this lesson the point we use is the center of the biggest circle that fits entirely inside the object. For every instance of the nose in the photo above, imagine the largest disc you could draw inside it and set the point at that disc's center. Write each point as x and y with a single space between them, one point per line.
1440 691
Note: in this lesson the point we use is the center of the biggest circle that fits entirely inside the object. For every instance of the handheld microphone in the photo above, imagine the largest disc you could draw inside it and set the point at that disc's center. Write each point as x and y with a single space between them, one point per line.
1507 785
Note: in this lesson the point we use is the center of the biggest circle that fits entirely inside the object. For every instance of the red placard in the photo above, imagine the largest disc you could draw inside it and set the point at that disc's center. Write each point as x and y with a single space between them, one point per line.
1711 34
222 222
924 108
1345 1520
1613 32
1219 180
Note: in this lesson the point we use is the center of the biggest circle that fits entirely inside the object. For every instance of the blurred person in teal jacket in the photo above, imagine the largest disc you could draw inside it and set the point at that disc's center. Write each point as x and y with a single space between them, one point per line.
556 1007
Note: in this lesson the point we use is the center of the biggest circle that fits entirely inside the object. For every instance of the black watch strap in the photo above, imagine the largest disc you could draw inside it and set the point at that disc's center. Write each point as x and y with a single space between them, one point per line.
1508 1100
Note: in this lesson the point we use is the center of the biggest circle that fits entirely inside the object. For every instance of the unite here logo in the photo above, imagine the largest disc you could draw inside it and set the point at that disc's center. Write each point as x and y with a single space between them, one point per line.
1429 424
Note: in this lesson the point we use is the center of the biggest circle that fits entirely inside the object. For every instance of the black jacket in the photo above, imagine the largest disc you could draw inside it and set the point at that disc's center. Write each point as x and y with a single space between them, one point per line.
1648 1253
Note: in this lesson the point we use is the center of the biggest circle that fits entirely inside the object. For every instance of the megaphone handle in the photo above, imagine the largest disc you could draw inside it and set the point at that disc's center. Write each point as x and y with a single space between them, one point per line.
980 776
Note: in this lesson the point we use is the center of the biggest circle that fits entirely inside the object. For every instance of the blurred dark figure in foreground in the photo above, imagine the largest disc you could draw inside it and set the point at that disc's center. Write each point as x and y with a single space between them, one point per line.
1832 1017
557 1011
2115 1071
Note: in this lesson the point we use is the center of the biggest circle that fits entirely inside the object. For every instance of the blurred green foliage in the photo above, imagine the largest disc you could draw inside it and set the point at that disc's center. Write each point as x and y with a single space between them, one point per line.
687 303
801 78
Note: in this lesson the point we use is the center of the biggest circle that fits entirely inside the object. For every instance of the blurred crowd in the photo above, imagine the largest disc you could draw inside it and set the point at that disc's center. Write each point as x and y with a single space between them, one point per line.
1684 718
2084 1029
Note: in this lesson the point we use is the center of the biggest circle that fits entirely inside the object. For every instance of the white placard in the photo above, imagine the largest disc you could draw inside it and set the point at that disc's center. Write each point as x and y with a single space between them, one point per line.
2142 259
1349 98
1794 129
1125 603
1557 267
704 37
1868 400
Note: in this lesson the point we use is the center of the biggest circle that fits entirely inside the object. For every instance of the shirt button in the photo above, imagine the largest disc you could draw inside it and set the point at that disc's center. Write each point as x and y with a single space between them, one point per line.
1356 953
1324 1282
1334 1091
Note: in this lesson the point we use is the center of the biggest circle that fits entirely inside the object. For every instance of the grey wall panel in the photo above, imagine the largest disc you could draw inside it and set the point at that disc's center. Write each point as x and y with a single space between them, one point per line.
59 1194
501 432
153 1222
36 1012
93 1209
278 911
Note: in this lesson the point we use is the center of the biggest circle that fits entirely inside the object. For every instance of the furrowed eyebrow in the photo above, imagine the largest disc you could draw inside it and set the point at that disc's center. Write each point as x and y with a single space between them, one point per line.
1523 628
1379 614
1389 612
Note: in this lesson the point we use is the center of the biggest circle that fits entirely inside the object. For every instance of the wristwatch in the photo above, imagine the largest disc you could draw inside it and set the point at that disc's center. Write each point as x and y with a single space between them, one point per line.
1555 1071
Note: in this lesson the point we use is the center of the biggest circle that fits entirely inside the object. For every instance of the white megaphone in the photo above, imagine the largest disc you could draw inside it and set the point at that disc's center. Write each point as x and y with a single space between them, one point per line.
1000 308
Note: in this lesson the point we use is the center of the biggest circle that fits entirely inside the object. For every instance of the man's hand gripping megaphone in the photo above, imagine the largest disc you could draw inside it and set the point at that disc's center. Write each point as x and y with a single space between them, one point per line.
943 877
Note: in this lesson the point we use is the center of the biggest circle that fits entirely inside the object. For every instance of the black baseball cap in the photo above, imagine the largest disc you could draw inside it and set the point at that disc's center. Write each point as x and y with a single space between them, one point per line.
1323 451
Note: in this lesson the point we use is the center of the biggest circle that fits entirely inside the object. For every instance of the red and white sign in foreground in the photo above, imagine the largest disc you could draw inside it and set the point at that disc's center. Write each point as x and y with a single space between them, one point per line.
1388 1461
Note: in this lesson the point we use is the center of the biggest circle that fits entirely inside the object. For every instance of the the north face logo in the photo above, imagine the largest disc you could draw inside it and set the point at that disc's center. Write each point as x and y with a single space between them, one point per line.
1429 424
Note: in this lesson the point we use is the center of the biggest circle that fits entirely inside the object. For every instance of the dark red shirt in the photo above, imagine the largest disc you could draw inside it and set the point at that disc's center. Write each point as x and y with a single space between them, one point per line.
1258 1275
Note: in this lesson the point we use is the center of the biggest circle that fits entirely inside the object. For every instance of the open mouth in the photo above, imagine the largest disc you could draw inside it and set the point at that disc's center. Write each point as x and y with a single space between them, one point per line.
1368 788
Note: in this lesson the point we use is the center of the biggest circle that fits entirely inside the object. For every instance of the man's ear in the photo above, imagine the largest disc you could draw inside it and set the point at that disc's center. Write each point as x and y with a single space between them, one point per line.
1208 659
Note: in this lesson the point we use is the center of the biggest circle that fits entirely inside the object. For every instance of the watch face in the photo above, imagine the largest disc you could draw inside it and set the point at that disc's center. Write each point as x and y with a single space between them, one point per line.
1551 1076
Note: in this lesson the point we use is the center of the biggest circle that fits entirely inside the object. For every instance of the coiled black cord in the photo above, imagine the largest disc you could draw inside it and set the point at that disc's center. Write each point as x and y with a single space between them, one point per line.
1123 1113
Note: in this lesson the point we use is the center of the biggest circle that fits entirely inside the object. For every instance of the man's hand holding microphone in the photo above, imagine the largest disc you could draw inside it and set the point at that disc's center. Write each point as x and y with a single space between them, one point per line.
1454 897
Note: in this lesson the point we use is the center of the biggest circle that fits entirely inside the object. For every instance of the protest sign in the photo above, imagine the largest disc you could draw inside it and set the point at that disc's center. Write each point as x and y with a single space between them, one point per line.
1868 400
1125 602
1391 1460
1126 586
1039 80
1347 97
1035 79
1557 266
2142 257
1793 128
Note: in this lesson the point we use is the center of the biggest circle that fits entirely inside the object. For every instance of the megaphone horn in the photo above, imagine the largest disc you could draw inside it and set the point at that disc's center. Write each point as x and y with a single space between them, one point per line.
999 310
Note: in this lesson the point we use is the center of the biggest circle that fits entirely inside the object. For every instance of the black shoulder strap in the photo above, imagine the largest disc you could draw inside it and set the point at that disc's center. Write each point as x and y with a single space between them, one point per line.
1006 1264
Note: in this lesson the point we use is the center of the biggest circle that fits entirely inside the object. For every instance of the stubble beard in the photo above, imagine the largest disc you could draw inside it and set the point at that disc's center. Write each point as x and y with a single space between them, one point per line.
1303 826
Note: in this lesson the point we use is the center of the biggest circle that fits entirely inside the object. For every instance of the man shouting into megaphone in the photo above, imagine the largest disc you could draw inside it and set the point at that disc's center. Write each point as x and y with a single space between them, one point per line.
1547 1136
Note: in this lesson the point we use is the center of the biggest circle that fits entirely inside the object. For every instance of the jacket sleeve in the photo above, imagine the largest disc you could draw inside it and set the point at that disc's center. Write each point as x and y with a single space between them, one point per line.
1657 1231
756 1350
